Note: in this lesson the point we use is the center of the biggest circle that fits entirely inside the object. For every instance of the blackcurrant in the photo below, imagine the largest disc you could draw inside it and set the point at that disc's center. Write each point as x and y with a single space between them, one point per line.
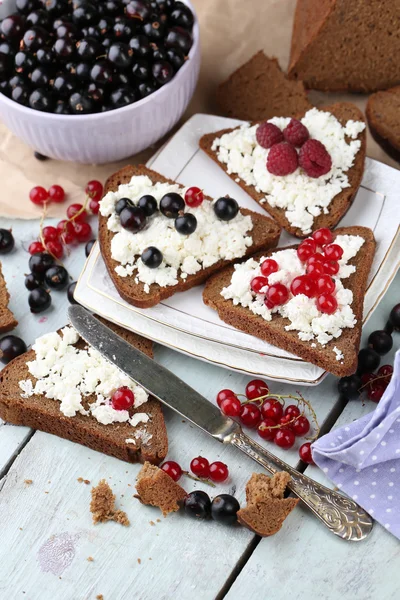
95 92
149 204
381 342
85 14
394 317
37 17
146 88
11 346
133 218
140 45
102 72
21 94
24 63
39 263
224 509
226 208
45 56
41 99
88 247
26 6
124 29
70 293
56 277
120 55
138 9
40 76
152 257
121 204
80 103
197 505
12 27
39 300
66 30
368 361
180 38
35 38
186 224
140 69
162 72
88 49
182 15
64 84
64 49
7 241
176 58
83 71
171 204
56 7
349 387
154 31
32 282
62 108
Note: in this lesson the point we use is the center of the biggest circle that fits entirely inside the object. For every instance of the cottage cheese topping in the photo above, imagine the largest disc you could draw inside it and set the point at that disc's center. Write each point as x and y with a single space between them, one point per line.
183 255
68 375
302 197
301 311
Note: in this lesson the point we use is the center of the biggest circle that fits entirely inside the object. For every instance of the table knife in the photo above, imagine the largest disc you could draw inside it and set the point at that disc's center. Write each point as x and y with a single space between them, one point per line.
341 515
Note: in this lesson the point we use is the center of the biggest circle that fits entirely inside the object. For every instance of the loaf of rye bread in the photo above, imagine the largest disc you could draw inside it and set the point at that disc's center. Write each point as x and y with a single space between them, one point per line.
383 116
274 331
7 319
43 413
342 45
259 90
343 111
265 234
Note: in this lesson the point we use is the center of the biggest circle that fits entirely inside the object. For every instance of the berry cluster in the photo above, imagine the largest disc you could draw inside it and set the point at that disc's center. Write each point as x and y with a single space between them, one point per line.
80 57
268 414
222 508
201 468
283 158
321 257
365 379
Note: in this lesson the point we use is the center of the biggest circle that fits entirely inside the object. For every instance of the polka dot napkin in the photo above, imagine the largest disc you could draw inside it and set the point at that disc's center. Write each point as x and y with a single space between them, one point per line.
363 458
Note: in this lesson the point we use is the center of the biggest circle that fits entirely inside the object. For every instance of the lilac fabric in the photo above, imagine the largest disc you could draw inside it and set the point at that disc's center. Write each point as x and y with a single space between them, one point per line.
363 458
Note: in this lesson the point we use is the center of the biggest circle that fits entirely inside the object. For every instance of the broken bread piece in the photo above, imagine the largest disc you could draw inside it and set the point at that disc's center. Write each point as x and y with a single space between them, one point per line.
7 319
102 505
266 507
156 488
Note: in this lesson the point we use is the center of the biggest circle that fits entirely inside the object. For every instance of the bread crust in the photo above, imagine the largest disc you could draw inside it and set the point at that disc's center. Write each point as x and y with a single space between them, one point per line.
274 331
266 231
7 319
340 204
382 132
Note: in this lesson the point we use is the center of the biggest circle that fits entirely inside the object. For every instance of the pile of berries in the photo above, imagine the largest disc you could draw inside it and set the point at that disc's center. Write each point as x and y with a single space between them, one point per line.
201 468
80 56
283 157
222 508
370 377
321 258
268 414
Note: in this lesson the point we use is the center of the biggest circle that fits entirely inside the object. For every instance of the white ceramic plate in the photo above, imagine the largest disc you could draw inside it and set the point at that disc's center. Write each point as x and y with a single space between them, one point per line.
184 323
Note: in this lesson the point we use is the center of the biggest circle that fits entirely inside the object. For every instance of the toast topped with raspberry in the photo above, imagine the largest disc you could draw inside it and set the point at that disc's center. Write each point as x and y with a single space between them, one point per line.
306 299
158 237
305 172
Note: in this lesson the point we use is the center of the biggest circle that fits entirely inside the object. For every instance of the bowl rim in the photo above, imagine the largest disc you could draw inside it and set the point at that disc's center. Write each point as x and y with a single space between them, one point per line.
26 110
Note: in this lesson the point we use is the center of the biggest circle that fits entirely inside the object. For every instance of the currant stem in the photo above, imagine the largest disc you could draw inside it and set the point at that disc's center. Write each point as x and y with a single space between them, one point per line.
201 479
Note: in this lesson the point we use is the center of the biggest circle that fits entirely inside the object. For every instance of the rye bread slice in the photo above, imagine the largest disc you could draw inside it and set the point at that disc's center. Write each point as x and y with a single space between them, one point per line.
338 45
265 234
383 116
266 507
274 331
7 319
156 488
42 413
339 205
259 90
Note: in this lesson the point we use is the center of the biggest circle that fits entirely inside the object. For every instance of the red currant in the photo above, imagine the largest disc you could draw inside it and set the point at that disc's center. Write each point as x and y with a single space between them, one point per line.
327 303
331 267
194 197
200 467
264 429
315 269
301 426
250 415
325 284
56 193
122 399
292 411
304 285
284 438
278 294
310 242
66 231
94 190
50 234
285 422
367 379
385 371
272 409
36 247
171 468
218 471
38 195
223 394
306 250
73 210
94 207
333 252
55 248
316 257
258 283
269 266
231 407
305 453
376 391
256 388
83 232
268 303
323 236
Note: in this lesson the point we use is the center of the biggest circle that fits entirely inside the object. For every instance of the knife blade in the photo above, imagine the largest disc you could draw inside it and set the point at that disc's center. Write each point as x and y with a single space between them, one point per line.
341 515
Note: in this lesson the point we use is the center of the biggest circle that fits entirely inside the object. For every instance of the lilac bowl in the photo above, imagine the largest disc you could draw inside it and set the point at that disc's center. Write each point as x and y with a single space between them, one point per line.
110 136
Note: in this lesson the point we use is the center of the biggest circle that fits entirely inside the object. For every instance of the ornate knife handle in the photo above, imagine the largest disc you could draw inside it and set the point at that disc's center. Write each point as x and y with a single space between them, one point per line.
340 514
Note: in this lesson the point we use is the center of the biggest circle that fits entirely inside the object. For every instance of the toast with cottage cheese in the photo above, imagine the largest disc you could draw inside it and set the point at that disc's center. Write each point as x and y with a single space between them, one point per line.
340 203
147 441
338 355
264 235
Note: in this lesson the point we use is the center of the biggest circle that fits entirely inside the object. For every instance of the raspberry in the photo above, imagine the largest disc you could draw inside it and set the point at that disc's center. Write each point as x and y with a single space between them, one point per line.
282 159
296 133
314 158
268 134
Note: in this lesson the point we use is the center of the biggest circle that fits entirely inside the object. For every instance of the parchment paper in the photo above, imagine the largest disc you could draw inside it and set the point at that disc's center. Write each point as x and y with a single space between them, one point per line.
231 32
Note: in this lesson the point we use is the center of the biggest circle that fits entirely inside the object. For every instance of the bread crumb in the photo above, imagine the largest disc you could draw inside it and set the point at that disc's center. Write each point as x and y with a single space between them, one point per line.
90 559
102 505
81 480
20 528
139 561
28 481
99 597
151 523
158 520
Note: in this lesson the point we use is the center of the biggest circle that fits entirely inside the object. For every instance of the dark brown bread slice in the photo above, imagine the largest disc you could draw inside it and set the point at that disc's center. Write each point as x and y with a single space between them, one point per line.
259 90
343 111
266 507
7 319
274 331
383 116
102 505
338 45
265 234
156 488
42 413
